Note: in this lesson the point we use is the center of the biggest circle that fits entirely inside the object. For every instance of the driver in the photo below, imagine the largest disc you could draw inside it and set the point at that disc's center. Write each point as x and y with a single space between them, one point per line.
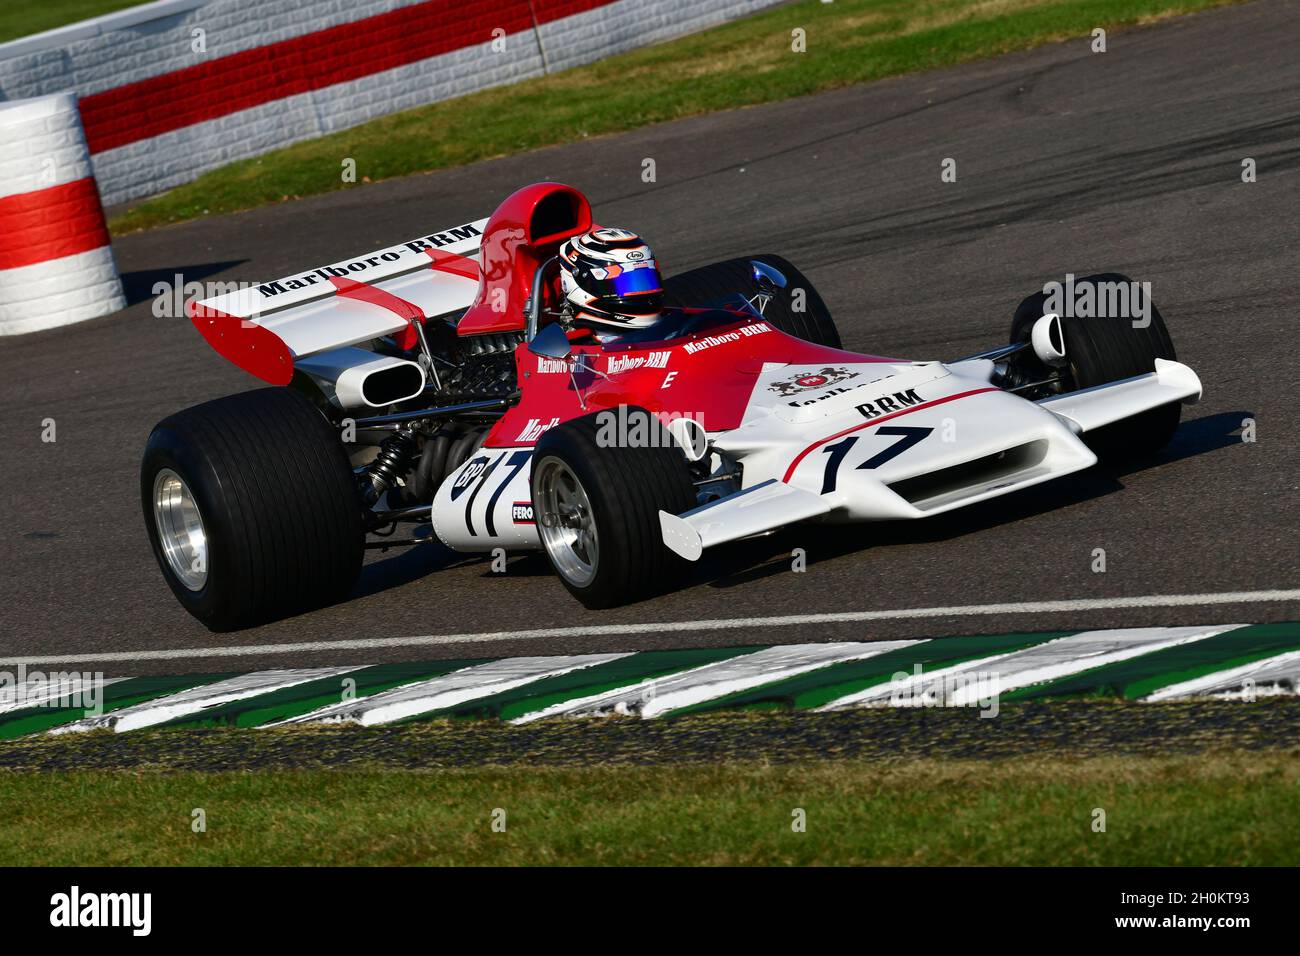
610 282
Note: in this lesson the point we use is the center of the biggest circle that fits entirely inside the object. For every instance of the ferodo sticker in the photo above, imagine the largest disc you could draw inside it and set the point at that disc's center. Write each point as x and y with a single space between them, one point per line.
807 380
521 512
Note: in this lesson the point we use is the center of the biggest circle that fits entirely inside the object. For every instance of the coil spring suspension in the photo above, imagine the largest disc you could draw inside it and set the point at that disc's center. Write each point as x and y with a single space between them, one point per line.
393 460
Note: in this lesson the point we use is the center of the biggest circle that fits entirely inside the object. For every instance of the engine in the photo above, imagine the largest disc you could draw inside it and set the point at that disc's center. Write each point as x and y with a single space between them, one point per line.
473 367
414 458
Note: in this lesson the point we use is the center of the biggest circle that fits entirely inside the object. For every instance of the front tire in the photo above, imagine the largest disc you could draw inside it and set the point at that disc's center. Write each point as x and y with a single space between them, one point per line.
597 508
1104 349
251 508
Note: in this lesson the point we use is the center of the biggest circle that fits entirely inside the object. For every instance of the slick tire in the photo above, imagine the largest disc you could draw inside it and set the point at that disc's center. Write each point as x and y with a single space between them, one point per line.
1099 350
268 481
597 509
708 284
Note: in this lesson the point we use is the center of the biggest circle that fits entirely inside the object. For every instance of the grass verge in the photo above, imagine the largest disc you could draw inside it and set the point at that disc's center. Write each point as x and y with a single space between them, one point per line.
20 19
738 64
1210 809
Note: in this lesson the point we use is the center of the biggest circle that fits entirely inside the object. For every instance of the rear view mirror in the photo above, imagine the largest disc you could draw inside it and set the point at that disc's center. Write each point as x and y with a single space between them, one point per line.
551 342
768 278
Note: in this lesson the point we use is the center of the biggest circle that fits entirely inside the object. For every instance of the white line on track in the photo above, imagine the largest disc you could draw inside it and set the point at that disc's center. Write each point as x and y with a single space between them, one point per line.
1076 605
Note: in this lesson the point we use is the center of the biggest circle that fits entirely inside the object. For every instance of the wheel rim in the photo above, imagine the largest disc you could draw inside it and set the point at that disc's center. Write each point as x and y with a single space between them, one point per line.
180 529
568 527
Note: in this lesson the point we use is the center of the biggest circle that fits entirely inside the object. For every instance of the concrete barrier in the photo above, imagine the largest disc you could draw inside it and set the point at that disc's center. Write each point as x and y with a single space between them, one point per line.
171 89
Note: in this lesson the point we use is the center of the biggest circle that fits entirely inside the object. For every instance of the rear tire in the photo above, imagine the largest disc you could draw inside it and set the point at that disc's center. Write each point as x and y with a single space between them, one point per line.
620 492
281 525
709 284
1105 349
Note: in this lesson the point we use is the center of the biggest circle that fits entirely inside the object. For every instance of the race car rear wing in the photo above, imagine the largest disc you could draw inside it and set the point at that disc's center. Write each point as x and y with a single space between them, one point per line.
486 270
265 327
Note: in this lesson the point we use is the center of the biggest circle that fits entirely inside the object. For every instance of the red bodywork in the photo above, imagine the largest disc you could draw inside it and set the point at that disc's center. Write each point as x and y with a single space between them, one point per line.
677 378
711 384
255 349
525 231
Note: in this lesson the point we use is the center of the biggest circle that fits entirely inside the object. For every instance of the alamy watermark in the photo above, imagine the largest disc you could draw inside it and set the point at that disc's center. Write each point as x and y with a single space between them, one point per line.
967 688
79 908
1099 300
628 427
63 690
170 299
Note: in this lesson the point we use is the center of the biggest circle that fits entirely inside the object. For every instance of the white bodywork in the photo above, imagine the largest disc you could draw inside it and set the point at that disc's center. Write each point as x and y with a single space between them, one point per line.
487 503
343 375
945 438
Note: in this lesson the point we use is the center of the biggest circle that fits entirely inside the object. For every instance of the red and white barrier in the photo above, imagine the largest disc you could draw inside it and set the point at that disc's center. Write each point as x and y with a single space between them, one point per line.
173 88
56 265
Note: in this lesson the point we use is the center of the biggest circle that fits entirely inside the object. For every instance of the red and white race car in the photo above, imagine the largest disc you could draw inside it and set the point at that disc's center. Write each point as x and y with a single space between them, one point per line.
439 386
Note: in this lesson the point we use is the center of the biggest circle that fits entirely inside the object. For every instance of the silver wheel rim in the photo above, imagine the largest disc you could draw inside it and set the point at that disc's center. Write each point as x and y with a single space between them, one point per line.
180 529
568 527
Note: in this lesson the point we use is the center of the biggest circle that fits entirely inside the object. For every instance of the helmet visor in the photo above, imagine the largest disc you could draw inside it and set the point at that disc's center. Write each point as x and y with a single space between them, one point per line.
644 278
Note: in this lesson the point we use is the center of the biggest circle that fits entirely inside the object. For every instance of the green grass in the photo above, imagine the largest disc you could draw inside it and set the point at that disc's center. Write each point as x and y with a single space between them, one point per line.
20 18
738 64
1229 809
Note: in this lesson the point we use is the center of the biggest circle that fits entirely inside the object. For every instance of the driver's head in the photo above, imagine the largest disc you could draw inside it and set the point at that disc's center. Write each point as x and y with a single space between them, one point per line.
610 279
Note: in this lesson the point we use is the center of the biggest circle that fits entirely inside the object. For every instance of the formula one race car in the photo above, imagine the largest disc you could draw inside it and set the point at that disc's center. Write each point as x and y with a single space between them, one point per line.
447 386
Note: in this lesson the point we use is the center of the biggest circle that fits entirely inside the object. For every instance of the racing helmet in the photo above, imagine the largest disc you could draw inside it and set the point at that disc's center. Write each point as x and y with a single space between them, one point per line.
609 278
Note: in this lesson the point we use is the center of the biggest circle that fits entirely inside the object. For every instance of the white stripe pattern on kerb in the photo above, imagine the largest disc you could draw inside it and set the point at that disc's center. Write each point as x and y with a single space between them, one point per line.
49 691
655 698
449 690
194 701
1051 660
1269 677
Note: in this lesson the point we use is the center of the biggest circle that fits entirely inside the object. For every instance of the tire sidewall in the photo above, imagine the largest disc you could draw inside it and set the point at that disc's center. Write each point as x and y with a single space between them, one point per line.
1101 350
1086 356
626 487
609 560
166 450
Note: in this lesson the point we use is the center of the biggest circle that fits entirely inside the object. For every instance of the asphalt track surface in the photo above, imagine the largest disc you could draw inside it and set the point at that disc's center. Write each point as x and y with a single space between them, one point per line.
1068 161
